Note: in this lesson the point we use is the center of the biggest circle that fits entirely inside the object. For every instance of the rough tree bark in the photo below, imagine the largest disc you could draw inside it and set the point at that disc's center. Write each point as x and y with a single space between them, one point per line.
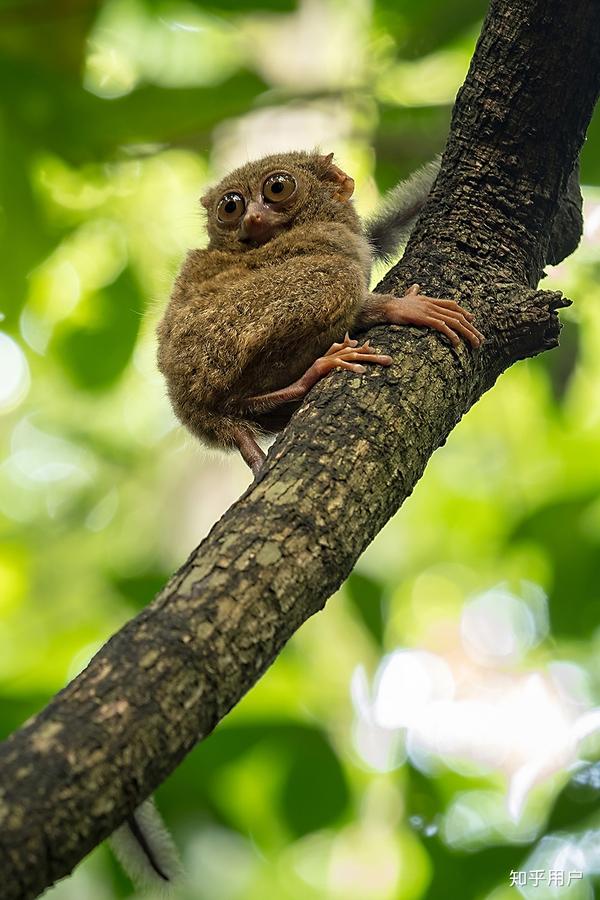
345 464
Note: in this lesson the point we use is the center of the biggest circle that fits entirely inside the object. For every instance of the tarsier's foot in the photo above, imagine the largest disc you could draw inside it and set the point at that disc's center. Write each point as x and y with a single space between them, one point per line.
347 355
443 315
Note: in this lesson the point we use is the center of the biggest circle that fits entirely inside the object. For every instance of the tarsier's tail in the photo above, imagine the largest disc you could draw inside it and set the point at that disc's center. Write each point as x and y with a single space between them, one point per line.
391 225
146 850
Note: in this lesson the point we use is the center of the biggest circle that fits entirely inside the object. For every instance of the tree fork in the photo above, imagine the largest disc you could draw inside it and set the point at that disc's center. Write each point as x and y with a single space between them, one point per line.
347 461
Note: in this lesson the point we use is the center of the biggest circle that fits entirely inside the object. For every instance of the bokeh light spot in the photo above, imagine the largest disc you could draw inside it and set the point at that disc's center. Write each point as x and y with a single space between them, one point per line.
14 374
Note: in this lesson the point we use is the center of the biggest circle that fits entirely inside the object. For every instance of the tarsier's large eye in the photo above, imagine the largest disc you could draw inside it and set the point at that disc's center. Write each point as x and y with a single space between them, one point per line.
279 187
231 208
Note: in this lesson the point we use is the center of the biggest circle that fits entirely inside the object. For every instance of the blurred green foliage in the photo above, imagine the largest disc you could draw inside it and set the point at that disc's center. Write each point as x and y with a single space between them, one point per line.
114 115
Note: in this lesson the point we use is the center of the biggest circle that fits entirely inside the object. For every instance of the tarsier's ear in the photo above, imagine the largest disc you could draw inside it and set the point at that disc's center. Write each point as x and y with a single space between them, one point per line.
330 172
205 201
323 163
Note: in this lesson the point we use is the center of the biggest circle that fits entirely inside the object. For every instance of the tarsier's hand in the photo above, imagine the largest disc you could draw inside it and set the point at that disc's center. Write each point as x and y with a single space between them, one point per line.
443 315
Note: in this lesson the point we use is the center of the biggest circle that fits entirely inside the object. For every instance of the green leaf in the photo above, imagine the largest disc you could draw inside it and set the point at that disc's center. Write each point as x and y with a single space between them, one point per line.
563 533
590 154
579 799
560 367
142 588
243 7
14 711
469 875
315 794
366 598
95 355
406 138
421 26
24 239
78 126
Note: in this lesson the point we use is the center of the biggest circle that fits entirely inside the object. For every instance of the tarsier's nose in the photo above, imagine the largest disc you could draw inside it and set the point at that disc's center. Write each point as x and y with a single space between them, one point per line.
255 224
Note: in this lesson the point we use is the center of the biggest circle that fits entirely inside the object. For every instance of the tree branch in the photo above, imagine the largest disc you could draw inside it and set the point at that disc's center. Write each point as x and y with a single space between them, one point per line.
349 458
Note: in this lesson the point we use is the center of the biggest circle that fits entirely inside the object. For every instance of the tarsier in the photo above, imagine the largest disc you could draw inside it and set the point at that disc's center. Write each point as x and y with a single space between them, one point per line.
257 318
265 311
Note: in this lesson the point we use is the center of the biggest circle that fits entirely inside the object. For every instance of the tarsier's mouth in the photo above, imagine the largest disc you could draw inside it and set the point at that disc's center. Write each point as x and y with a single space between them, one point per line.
253 243
259 238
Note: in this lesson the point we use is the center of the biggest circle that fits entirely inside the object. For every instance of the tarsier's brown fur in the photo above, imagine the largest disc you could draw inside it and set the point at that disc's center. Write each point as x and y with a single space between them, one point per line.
249 317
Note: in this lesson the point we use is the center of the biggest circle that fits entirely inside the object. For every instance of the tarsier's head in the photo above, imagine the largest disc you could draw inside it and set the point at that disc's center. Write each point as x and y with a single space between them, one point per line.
265 198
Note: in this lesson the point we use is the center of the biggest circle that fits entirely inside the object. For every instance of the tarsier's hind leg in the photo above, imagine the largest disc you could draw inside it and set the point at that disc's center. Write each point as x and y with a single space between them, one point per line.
266 409
345 355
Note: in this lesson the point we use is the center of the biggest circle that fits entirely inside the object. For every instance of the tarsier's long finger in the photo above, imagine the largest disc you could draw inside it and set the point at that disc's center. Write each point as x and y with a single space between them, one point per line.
467 323
413 289
451 304
378 358
335 348
459 323
366 348
474 337
353 367
457 316
440 325
365 352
